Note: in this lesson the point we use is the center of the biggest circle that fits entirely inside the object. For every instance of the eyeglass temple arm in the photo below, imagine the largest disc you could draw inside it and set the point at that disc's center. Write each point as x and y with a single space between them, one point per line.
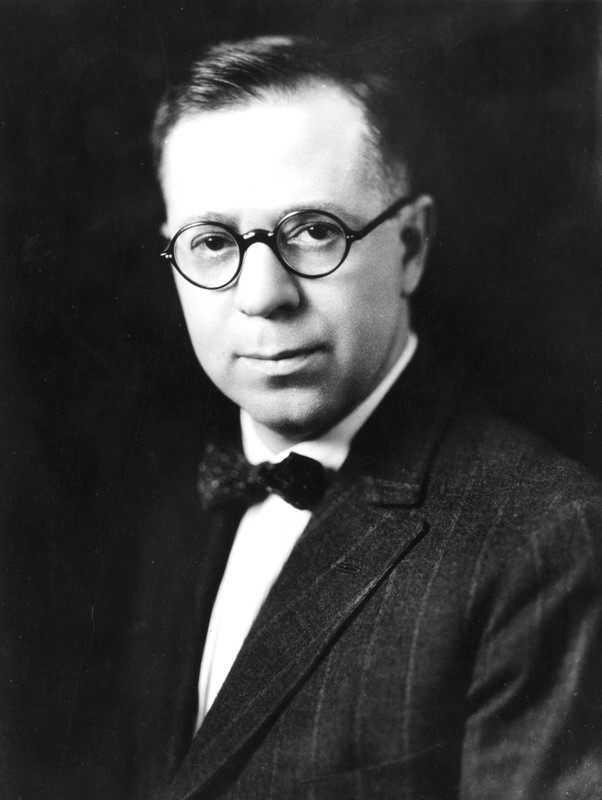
388 212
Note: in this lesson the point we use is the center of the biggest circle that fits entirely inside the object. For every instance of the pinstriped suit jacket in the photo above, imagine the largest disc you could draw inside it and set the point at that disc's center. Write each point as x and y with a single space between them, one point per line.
436 633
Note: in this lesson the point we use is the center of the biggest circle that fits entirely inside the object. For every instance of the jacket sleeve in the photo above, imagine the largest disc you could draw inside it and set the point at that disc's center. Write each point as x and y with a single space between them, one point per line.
534 727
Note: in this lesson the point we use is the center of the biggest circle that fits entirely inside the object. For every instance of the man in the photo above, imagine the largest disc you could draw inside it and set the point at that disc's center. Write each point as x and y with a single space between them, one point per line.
423 620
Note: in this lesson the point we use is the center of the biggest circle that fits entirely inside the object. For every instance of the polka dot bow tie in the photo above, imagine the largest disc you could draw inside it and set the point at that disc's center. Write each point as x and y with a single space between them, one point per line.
227 476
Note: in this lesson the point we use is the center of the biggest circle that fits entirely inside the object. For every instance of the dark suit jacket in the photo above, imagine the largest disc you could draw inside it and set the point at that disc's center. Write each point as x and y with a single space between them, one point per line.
435 634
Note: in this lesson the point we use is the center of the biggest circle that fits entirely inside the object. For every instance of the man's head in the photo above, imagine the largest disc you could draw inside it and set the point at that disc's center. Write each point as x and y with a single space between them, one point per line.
232 74
262 129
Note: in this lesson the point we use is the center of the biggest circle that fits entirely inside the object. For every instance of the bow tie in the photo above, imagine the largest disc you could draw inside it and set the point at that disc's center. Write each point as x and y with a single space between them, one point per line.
226 476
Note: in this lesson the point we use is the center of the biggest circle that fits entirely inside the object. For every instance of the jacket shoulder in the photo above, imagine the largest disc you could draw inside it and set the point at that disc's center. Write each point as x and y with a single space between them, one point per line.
502 458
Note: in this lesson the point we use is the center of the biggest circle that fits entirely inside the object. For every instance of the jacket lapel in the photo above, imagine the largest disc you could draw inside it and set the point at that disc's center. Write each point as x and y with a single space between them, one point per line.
364 525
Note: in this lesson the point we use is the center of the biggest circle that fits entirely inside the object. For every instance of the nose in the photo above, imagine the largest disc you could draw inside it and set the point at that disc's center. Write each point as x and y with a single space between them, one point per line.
264 287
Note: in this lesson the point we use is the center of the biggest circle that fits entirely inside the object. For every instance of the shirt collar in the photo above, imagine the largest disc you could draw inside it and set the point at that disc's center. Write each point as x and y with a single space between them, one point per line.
330 449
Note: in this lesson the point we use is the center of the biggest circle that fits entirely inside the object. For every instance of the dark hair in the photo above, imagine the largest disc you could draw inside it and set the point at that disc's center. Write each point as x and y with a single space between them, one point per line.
235 73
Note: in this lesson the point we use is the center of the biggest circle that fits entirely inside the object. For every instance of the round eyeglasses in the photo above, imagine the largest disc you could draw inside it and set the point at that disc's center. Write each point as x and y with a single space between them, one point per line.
311 244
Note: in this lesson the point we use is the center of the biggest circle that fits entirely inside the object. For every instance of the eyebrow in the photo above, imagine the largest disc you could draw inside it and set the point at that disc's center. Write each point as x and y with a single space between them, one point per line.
210 216
353 220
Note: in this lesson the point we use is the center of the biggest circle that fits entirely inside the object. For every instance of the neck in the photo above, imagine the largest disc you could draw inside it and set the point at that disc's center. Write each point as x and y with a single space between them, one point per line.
276 441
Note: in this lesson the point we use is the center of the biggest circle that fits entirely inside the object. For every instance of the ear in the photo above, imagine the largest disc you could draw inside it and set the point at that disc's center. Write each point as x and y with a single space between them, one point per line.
417 232
163 230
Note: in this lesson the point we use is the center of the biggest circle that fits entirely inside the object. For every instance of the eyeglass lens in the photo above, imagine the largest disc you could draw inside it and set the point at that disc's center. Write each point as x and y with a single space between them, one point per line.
311 243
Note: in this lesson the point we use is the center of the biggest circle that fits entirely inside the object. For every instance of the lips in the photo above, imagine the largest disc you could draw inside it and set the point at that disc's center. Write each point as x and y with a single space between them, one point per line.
282 355
283 362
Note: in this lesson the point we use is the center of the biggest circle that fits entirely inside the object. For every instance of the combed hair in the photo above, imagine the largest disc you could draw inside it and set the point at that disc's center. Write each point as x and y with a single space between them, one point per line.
236 73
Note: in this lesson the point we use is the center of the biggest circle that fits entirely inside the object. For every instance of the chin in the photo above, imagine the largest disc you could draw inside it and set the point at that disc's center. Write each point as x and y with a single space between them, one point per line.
293 421
292 428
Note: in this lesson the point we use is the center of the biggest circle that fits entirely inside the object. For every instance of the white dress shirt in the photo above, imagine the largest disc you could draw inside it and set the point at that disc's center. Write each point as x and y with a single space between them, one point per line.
266 536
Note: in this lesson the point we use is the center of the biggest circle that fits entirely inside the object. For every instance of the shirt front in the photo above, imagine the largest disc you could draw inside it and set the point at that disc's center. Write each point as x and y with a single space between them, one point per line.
266 536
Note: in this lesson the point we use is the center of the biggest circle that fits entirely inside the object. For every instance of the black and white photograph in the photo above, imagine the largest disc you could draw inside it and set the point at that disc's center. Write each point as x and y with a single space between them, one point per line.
301 400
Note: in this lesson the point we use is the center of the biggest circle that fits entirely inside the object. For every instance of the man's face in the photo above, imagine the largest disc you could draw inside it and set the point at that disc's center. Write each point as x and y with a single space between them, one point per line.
297 354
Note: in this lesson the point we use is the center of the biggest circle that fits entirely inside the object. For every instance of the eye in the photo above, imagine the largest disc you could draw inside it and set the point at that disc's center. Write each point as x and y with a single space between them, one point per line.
314 233
320 231
209 242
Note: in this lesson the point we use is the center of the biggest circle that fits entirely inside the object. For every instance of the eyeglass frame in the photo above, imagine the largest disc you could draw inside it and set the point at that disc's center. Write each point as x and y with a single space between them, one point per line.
270 238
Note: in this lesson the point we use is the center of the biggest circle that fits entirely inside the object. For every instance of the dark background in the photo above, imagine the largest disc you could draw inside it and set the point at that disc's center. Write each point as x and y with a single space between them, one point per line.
95 364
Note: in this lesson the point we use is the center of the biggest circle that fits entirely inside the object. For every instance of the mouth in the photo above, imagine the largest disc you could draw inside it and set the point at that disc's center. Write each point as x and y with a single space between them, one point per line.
283 362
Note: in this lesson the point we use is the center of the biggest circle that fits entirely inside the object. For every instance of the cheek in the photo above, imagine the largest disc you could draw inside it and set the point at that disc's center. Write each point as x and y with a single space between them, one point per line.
209 345
371 312
369 334
205 325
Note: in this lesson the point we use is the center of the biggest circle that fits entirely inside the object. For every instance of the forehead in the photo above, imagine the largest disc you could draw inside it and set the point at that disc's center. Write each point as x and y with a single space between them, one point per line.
278 151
